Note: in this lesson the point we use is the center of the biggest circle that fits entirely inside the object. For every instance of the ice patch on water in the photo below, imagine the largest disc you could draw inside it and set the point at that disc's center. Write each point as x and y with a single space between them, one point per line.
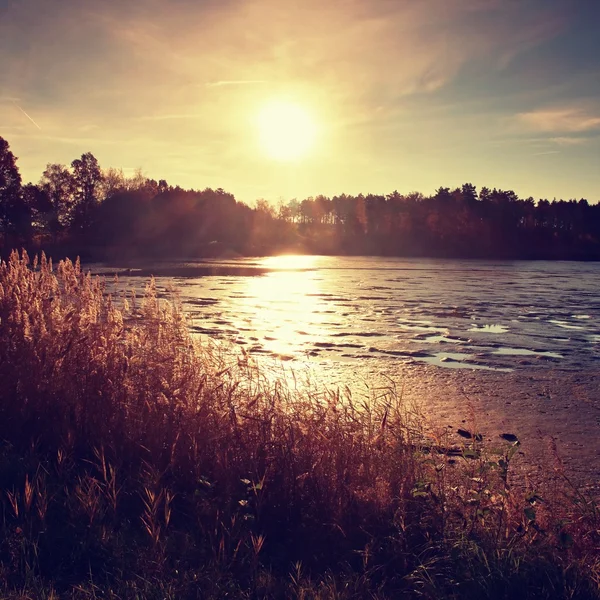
525 352
565 324
415 325
456 356
455 360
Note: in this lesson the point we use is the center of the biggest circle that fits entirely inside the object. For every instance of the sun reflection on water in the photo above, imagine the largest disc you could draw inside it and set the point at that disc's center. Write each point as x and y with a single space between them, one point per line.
284 308
290 262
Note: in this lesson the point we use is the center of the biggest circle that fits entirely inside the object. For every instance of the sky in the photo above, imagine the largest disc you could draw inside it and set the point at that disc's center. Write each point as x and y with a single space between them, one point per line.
402 94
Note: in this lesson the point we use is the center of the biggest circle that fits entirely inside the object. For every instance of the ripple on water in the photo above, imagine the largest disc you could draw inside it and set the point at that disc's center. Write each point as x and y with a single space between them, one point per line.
208 331
490 328
438 339
341 345
358 334
405 353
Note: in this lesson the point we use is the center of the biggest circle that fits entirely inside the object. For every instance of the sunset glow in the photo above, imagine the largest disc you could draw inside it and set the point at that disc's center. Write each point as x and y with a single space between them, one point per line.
287 132
291 100
286 286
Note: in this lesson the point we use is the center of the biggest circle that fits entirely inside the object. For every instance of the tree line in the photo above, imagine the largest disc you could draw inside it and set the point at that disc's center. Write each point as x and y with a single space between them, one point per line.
102 214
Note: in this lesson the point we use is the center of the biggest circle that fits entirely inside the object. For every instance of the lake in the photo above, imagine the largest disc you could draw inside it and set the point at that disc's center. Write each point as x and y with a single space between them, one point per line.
497 346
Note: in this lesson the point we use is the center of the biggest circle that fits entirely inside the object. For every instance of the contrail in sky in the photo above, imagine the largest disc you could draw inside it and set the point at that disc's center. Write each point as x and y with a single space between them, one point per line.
27 115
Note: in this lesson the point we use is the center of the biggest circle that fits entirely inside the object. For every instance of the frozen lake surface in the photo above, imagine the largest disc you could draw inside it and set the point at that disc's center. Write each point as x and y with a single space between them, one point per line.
512 345
453 314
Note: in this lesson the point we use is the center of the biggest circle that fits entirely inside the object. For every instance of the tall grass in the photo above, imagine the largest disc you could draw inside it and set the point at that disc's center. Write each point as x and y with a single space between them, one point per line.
136 462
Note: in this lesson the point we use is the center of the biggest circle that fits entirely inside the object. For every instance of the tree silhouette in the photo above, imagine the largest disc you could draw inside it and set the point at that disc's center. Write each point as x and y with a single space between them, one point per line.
38 204
60 187
88 178
84 208
15 216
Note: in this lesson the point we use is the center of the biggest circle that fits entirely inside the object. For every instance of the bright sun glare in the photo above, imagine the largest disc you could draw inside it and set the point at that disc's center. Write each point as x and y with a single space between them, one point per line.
287 131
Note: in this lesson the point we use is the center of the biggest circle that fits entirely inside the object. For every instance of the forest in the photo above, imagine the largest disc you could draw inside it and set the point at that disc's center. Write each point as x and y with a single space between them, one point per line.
96 213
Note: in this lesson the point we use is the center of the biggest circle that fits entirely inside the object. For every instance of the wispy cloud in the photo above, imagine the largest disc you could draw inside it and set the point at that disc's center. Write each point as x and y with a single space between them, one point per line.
569 140
568 119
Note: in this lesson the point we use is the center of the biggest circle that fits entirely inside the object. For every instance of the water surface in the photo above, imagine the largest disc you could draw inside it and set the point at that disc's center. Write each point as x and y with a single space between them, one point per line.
449 313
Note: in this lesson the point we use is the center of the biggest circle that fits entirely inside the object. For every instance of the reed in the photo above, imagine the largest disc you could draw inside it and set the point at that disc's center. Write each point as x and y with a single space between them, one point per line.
138 462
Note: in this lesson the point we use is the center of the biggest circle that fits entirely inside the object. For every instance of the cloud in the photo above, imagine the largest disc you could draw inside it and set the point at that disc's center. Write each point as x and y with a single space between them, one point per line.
569 140
347 48
567 119
143 76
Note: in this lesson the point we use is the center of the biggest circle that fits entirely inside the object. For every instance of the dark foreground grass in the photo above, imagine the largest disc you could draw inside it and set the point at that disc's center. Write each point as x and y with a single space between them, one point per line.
136 463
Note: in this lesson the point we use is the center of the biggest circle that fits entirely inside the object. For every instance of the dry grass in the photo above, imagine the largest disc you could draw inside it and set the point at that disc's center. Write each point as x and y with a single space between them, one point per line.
138 463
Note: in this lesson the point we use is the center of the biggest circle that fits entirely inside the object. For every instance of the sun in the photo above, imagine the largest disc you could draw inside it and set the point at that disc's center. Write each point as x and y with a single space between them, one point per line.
286 130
